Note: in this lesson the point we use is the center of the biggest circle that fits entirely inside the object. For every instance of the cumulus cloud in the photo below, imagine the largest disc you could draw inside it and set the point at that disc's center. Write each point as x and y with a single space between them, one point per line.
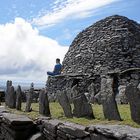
67 9
24 53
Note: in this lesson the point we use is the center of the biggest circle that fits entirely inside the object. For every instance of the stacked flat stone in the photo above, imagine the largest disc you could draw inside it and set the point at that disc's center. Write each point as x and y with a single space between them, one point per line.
16 127
56 129
50 129
60 130
66 82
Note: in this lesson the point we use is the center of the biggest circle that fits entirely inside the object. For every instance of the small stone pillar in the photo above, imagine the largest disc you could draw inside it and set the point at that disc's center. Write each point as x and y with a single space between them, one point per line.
8 85
64 102
12 98
18 98
109 104
133 95
81 106
91 91
29 98
44 108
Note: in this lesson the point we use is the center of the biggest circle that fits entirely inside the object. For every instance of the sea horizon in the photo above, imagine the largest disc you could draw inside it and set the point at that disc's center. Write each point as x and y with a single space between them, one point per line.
25 84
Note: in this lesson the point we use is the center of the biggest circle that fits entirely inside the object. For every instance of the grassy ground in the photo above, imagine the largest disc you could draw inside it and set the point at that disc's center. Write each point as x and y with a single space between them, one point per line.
57 112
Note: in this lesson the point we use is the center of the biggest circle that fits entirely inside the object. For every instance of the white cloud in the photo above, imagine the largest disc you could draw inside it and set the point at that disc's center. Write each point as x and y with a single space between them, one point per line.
24 54
67 9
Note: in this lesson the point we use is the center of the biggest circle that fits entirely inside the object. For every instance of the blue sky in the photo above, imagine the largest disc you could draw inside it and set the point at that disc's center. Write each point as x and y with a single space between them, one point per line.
34 32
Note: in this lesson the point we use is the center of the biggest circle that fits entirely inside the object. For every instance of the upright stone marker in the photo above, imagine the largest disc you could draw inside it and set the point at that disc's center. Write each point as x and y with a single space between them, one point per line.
64 102
110 108
29 98
12 98
91 92
8 85
81 107
18 98
44 108
133 96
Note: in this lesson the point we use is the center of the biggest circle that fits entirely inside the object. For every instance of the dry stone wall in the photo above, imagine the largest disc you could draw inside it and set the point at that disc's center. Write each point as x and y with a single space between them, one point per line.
19 127
110 44
53 129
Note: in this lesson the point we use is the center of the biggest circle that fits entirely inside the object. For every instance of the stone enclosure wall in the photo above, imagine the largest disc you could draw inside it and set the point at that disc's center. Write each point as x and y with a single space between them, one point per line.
19 127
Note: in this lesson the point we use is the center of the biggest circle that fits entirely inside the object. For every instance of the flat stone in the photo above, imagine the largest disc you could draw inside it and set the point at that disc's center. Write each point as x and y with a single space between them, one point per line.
116 131
73 129
51 125
13 119
37 136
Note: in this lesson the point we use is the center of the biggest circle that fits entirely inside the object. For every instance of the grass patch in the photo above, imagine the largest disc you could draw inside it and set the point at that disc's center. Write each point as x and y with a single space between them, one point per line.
57 112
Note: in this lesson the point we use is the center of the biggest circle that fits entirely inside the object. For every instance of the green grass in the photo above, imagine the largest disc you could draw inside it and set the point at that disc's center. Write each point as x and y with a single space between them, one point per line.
57 112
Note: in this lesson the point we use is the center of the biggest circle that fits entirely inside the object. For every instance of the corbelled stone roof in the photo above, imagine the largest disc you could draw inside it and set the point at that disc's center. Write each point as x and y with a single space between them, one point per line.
110 44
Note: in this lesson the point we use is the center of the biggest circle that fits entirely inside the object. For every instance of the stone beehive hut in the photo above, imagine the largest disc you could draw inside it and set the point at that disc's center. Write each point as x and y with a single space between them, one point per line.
109 47
111 44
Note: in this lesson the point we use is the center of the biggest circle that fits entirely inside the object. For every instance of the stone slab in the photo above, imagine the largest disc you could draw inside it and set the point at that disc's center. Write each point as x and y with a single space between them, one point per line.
13 119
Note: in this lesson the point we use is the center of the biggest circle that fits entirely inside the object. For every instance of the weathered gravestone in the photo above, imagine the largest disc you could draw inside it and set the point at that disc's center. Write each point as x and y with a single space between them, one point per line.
110 108
8 85
29 98
18 98
133 96
44 108
81 106
12 97
91 91
64 102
